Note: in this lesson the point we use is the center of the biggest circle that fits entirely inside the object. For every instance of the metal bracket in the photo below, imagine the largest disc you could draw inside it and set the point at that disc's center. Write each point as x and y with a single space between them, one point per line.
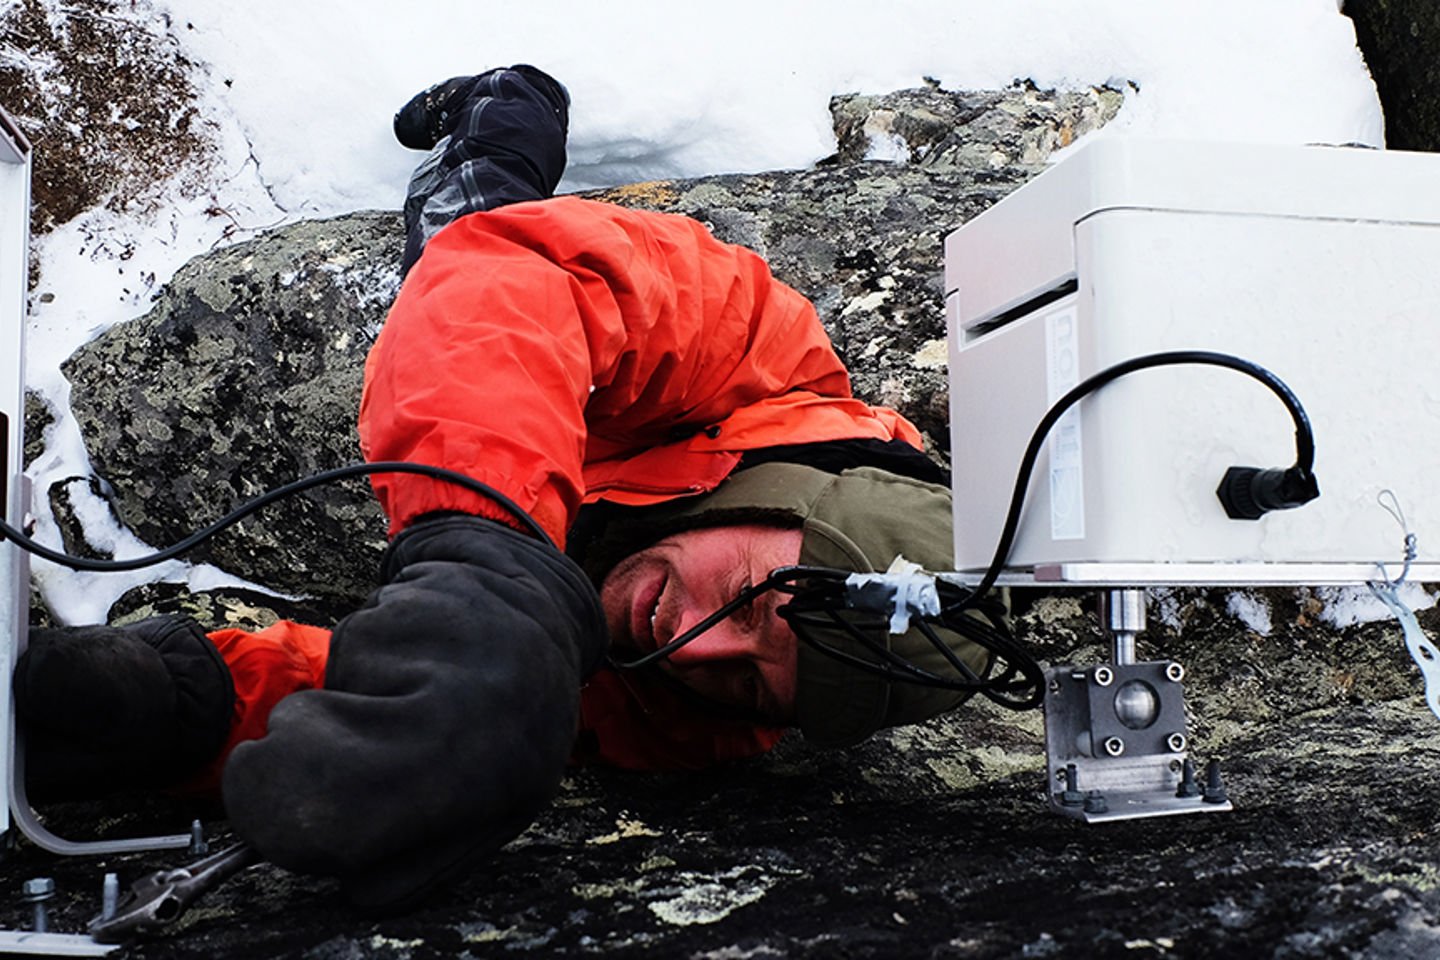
1115 733
32 944
14 501
12 753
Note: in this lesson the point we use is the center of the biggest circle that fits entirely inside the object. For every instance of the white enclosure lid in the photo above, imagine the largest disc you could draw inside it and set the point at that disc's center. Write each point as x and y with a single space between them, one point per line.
1024 245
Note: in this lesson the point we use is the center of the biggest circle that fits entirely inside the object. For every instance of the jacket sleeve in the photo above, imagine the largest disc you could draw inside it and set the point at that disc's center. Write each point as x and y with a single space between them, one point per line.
635 722
265 668
529 337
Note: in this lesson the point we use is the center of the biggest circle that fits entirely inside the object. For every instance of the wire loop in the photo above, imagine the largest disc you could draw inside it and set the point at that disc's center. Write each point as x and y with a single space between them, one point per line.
1411 547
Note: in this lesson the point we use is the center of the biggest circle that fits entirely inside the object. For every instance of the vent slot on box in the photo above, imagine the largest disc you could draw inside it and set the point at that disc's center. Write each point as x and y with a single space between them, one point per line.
1022 309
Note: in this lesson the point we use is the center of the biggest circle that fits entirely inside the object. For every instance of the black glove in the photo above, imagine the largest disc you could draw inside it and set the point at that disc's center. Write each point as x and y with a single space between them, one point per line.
105 709
449 709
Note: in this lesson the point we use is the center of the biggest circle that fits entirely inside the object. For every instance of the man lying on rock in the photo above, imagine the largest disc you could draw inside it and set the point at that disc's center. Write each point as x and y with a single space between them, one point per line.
660 405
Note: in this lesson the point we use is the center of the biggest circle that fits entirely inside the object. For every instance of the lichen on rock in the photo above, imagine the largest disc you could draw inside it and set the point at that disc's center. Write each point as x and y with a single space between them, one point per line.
245 376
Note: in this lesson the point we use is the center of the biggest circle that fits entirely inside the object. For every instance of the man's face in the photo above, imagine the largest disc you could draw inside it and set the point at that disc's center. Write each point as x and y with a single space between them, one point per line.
746 661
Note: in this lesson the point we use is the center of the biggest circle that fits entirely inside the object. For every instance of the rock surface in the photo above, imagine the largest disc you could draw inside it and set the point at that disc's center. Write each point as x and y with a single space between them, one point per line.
931 841
38 418
245 376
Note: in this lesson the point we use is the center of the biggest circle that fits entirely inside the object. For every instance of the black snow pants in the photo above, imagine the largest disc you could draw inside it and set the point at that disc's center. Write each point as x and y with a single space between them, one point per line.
505 144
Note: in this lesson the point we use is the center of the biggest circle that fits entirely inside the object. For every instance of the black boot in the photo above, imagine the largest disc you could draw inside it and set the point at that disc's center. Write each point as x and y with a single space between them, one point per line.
425 118
109 709
430 115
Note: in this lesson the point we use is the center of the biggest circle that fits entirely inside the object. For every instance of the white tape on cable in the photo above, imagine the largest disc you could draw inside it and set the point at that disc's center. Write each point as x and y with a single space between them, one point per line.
909 591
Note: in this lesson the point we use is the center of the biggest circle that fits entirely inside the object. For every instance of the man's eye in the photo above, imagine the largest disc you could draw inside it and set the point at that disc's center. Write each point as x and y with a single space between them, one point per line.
745 615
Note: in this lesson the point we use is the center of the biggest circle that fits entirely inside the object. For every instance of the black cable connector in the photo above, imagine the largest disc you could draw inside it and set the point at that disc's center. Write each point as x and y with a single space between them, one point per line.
1248 493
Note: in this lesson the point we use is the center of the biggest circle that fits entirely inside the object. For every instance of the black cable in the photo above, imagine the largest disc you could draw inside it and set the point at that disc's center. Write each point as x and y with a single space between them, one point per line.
819 595
265 499
1304 437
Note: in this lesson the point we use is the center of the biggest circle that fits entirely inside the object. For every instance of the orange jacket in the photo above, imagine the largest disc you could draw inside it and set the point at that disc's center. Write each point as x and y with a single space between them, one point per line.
566 351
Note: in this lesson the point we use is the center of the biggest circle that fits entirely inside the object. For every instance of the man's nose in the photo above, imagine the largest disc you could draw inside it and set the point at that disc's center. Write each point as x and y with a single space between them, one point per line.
726 640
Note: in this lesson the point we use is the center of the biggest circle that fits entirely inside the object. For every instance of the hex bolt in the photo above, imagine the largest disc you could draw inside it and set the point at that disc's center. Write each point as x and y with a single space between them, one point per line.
1071 795
37 891
1174 672
1114 746
109 896
1214 788
1095 802
1176 742
198 845
1189 786
1104 676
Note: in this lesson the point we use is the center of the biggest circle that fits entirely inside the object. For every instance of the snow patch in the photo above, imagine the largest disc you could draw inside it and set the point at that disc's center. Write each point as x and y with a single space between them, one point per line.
1347 606
887 147
1251 610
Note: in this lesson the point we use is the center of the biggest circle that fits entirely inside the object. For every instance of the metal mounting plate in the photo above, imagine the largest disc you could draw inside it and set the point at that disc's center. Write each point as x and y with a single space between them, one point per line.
1118 725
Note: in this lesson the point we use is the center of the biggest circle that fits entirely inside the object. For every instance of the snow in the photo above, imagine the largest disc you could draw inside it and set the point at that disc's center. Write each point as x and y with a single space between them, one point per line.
1251 610
1346 606
303 93
660 94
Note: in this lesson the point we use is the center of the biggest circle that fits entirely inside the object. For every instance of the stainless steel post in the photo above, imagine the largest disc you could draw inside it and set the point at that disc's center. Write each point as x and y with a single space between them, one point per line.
1122 613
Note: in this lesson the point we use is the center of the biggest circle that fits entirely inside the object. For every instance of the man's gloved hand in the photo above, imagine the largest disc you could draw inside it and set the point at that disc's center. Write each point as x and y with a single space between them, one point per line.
105 709
448 713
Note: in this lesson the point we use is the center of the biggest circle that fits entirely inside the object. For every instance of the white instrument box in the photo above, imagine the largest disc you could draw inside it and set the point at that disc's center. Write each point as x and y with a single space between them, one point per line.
1321 264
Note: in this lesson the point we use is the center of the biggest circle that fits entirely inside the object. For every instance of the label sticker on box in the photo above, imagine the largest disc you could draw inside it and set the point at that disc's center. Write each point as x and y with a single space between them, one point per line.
1062 372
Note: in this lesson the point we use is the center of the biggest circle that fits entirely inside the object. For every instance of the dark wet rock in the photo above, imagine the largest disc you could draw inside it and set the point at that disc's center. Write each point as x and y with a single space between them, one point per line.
973 130
1401 43
929 841
38 418
39 613
221 607
61 495
246 376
